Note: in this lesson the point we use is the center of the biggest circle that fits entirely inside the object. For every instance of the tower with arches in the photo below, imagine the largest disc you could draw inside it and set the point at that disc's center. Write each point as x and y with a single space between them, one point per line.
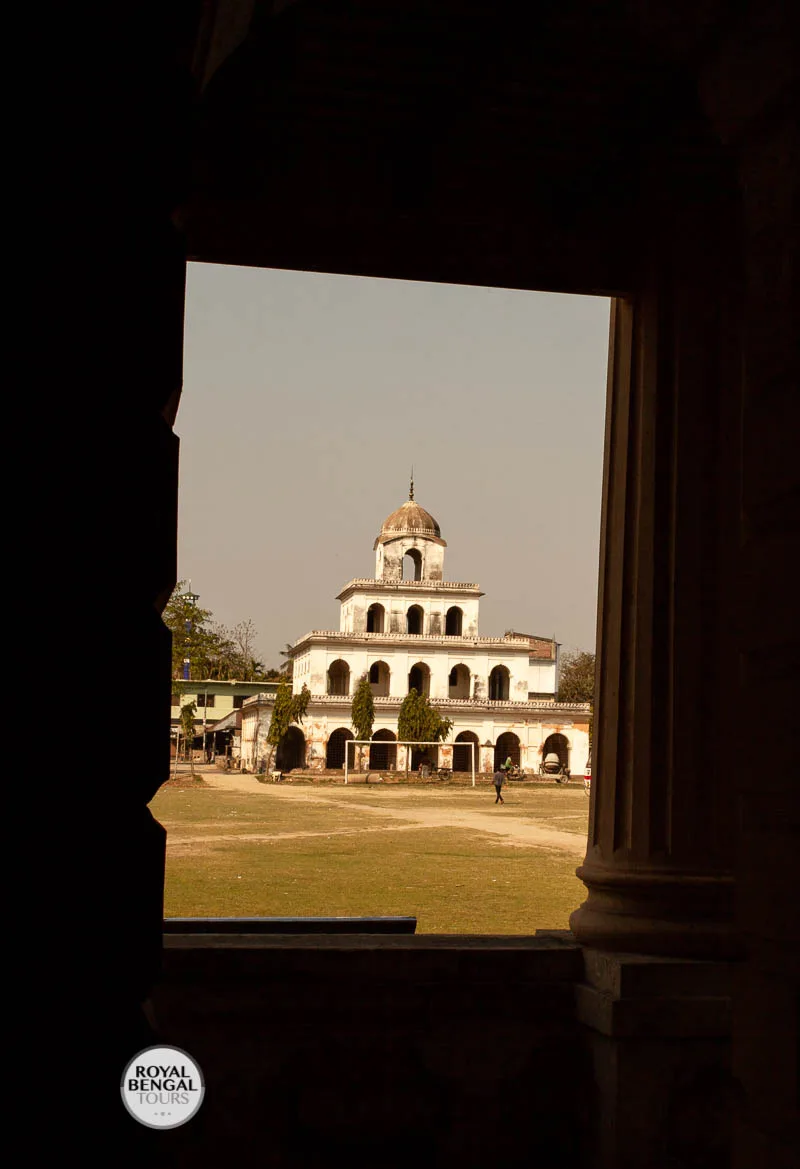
407 627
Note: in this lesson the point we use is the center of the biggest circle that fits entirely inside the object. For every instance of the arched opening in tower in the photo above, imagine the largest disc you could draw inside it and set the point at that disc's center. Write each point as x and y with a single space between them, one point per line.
419 679
379 676
458 682
499 684
376 616
453 621
414 620
339 678
412 565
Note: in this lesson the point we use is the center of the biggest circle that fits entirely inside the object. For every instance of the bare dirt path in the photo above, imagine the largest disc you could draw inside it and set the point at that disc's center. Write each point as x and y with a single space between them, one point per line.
498 821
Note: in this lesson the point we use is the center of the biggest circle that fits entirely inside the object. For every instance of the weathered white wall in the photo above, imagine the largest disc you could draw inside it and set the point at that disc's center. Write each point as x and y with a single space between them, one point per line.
389 557
542 678
532 731
397 602
440 653
311 666
255 727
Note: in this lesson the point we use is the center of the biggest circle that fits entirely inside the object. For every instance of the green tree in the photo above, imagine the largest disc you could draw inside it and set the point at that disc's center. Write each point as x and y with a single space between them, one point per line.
192 637
187 730
576 676
362 712
213 650
287 667
419 722
576 681
288 709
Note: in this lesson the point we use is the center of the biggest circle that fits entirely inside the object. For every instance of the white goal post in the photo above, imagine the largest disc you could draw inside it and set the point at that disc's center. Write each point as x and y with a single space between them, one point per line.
404 743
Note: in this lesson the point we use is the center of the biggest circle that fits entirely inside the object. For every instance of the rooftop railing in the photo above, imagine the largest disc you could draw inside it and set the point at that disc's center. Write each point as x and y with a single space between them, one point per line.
479 703
445 639
412 584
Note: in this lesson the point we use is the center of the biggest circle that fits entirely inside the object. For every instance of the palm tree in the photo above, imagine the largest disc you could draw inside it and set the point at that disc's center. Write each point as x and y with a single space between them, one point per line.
287 667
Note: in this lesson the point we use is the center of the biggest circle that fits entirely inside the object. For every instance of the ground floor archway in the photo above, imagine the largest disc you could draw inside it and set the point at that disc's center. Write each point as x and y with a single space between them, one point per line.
557 744
336 748
462 756
507 746
423 755
383 752
291 752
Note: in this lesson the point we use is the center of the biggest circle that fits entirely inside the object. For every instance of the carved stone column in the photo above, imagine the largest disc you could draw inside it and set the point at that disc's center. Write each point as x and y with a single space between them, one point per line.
658 867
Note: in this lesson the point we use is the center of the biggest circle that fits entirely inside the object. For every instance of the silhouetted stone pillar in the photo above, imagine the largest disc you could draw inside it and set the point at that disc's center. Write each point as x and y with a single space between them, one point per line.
658 866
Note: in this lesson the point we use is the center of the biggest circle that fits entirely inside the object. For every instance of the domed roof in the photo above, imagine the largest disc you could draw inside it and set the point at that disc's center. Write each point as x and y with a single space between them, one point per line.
410 518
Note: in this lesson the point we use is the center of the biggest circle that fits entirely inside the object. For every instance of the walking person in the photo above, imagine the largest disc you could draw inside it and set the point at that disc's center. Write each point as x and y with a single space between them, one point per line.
499 777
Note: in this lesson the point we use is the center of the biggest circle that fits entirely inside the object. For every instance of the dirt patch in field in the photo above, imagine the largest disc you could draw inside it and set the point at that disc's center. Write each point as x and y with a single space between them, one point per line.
498 821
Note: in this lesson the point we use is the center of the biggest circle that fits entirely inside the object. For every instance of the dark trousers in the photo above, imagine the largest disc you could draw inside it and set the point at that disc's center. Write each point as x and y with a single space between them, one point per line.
499 791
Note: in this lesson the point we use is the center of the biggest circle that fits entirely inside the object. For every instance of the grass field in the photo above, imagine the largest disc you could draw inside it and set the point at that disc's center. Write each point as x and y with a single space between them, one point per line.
336 851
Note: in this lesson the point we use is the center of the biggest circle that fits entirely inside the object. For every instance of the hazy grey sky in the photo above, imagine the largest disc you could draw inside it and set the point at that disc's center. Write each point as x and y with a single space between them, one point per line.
307 398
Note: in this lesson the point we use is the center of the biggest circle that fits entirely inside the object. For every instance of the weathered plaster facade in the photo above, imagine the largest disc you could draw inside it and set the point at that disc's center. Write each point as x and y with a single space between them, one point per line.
532 722
423 632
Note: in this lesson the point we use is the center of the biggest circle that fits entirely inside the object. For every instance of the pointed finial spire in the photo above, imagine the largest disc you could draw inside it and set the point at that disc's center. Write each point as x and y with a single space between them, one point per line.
411 486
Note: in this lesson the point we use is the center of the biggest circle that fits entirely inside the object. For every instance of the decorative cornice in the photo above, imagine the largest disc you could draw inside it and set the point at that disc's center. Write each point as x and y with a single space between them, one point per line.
388 535
418 640
538 705
367 585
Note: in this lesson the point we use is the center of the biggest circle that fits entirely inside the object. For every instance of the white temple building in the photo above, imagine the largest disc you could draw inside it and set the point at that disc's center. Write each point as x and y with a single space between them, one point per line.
408 628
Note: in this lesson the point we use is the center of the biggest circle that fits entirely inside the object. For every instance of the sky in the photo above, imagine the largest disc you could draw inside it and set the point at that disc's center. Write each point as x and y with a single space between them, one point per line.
308 397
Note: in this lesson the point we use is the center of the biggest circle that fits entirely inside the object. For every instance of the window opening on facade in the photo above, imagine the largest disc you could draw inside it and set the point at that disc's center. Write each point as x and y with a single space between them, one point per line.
376 617
412 565
453 621
499 684
379 677
339 678
414 620
458 682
